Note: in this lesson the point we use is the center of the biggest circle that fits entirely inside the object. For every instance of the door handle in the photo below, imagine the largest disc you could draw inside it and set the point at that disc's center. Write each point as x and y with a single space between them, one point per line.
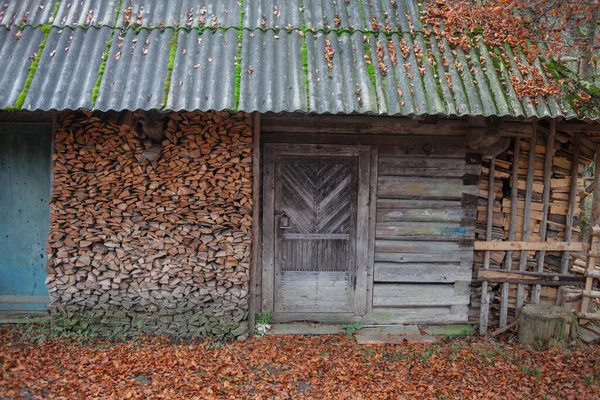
284 221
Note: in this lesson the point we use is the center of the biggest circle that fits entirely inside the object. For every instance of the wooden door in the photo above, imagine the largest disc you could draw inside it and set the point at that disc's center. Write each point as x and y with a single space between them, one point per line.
316 206
24 215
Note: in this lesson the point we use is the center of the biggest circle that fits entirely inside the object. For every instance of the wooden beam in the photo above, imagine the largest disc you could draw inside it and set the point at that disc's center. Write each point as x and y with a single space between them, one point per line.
512 230
485 297
255 253
589 316
592 293
578 127
535 295
593 234
530 278
527 210
564 263
531 246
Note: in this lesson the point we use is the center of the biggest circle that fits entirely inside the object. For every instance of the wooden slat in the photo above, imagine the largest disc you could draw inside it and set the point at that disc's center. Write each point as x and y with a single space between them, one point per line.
362 232
592 293
453 213
406 295
372 221
589 316
421 272
443 231
564 262
512 230
529 278
423 315
393 187
419 247
268 248
254 301
527 210
535 296
425 167
485 298
531 246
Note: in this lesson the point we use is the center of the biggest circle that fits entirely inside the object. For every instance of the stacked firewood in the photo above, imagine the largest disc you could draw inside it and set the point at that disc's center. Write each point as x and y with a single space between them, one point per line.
557 216
141 226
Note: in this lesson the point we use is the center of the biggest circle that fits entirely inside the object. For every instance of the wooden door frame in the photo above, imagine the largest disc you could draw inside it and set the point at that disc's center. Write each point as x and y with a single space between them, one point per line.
272 150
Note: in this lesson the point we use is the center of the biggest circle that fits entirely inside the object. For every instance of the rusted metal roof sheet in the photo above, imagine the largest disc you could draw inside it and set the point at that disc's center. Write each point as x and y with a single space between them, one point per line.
345 56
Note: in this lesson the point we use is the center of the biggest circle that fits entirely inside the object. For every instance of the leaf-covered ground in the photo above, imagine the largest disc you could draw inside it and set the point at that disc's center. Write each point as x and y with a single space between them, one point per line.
327 367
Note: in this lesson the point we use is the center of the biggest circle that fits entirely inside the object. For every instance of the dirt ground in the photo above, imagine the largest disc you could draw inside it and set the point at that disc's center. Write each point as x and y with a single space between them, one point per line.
291 367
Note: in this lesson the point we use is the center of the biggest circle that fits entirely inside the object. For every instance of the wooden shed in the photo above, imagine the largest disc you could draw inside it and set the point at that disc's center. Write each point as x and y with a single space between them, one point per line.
232 163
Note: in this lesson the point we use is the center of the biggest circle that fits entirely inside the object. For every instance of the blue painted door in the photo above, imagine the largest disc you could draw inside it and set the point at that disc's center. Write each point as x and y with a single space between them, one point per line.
24 215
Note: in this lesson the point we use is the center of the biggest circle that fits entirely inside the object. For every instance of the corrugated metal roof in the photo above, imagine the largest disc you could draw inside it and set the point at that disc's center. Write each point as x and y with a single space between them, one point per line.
272 74
59 81
86 13
204 71
378 61
16 56
346 87
26 12
182 13
136 71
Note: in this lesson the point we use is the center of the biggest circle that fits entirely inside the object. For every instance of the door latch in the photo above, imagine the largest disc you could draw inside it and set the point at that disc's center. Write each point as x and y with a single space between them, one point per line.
284 221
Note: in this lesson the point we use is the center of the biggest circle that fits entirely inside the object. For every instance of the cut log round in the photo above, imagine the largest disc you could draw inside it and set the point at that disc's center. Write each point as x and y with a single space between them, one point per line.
538 323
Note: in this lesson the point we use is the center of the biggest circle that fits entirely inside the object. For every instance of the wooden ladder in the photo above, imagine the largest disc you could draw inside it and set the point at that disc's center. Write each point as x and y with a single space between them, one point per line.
591 273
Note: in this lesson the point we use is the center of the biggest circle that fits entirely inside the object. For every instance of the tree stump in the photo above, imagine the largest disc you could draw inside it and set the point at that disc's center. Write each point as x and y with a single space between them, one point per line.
539 323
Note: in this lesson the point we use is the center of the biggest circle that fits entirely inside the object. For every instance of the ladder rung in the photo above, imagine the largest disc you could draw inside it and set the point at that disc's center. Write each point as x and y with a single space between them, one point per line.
589 316
592 254
592 293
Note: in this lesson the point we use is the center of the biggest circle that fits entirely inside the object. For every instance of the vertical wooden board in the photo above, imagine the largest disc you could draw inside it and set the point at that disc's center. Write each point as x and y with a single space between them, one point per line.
362 232
24 213
373 204
255 271
268 248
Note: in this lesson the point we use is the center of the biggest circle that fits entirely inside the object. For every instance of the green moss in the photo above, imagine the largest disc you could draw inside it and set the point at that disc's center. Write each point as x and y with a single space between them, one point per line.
370 68
32 68
170 65
96 88
55 10
305 68
238 71
362 12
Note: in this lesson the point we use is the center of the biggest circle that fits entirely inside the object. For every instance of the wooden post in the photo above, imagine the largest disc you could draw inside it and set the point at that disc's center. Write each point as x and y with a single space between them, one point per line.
485 298
254 268
535 296
564 262
512 230
593 235
527 210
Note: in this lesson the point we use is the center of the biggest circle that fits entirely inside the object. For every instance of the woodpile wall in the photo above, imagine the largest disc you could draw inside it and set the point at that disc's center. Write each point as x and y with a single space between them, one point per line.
151 236
556 227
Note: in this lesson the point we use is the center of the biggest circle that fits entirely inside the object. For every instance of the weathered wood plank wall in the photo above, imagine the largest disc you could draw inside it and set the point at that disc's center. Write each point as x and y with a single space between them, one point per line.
425 191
